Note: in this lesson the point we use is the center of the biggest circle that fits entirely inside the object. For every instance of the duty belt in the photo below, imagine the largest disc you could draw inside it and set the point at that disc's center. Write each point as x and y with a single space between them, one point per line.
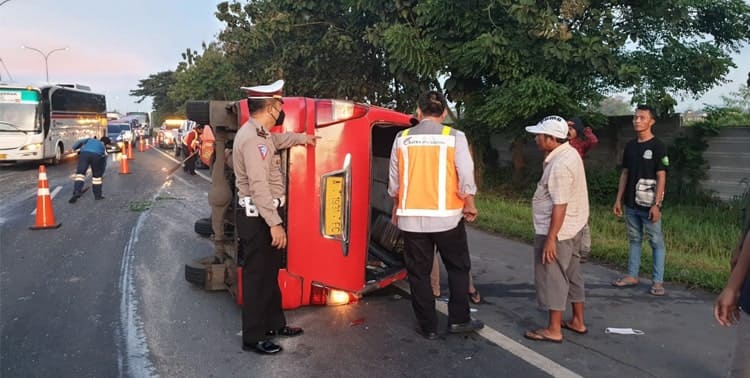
252 211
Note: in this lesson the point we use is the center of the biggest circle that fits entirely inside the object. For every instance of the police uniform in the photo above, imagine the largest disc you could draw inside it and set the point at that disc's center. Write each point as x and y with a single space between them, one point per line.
93 153
261 193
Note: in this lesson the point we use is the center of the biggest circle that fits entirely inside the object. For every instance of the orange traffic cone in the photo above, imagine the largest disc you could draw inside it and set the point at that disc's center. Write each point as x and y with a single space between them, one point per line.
140 145
129 147
45 217
124 167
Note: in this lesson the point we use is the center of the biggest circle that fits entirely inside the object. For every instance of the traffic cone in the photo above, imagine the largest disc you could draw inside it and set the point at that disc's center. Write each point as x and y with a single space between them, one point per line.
129 147
140 145
45 217
124 167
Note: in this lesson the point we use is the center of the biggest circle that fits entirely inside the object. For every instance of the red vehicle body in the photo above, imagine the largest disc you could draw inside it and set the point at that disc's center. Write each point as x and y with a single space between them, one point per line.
341 243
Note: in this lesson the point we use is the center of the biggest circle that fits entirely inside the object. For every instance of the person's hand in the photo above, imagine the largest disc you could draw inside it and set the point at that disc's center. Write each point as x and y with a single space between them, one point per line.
549 253
617 209
311 139
470 213
726 310
278 237
654 214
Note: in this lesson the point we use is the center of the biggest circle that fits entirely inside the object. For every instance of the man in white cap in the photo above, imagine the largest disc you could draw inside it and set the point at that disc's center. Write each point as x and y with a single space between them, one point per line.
261 192
561 210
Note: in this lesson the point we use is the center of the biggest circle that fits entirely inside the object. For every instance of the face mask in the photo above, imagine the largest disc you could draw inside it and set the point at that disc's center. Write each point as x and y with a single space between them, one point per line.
280 119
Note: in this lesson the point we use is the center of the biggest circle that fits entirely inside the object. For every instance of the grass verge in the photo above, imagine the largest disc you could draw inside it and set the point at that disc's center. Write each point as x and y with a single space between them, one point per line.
699 239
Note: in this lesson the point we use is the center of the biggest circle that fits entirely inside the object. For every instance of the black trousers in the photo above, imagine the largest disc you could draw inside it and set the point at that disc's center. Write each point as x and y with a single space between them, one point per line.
454 250
261 296
189 163
97 163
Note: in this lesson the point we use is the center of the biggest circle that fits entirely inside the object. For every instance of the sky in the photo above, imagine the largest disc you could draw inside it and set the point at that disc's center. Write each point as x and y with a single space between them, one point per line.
112 44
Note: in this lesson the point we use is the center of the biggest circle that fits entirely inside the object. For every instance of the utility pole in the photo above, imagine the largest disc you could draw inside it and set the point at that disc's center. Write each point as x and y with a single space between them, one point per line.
46 56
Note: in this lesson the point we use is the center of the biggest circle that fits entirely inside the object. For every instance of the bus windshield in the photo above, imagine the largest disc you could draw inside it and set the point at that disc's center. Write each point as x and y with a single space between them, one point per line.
18 110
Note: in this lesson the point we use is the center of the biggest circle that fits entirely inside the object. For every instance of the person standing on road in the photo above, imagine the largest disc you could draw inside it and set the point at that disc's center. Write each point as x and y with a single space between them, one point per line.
261 192
92 153
431 180
582 139
191 144
641 188
736 297
560 209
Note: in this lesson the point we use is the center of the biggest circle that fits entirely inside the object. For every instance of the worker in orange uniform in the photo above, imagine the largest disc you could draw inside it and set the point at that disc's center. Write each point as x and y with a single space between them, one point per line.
191 144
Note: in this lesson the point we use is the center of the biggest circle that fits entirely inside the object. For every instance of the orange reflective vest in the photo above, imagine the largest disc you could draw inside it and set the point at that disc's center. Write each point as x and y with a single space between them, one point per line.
428 185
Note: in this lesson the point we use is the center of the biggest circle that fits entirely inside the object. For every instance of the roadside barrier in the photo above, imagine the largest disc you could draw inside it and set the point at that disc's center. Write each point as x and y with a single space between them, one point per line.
124 167
45 216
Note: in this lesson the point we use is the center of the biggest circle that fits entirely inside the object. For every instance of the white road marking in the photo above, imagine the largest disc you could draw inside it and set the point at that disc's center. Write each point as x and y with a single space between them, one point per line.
51 196
545 364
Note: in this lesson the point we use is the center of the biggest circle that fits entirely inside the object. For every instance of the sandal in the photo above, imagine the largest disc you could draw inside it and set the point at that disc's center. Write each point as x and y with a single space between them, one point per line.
475 298
657 291
536 336
565 325
624 282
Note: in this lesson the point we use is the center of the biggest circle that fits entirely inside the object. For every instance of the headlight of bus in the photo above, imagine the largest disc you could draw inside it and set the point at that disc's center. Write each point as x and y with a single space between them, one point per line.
32 147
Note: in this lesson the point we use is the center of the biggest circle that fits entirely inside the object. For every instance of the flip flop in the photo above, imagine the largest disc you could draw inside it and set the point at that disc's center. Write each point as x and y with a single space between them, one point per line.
657 291
621 282
535 336
565 325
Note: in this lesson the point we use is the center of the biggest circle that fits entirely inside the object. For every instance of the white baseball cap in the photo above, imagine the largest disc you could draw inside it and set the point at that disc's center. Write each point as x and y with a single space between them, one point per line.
555 126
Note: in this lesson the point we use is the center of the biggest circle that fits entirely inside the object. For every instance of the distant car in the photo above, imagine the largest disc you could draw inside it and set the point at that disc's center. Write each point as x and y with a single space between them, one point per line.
179 135
166 136
119 133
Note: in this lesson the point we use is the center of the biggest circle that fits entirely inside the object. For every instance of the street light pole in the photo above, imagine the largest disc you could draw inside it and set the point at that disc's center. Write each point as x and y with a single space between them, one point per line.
46 57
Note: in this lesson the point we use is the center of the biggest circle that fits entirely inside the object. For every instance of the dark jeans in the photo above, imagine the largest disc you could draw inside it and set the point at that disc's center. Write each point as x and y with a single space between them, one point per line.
261 296
97 163
189 163
420 252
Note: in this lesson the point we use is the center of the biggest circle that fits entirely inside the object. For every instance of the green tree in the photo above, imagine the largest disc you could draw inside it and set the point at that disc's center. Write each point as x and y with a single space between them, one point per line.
208 75
157 87
509 62
318 47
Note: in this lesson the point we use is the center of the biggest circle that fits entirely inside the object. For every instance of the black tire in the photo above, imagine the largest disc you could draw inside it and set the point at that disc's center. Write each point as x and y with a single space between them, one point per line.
198 111
58 155
203 227
195 273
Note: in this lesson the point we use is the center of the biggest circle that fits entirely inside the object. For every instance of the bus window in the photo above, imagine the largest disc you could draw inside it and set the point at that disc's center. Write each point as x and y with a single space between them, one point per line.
18 110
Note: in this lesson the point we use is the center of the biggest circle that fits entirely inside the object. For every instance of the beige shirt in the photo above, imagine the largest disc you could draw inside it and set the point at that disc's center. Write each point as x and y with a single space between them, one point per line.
563 182
257 166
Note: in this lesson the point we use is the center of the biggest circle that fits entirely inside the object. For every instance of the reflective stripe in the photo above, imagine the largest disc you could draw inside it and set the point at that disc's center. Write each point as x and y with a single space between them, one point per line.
96 180
79 177
42 175
43 192
437 185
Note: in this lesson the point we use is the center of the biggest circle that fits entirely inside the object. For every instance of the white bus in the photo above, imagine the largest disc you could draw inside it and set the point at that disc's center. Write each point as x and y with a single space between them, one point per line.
43 123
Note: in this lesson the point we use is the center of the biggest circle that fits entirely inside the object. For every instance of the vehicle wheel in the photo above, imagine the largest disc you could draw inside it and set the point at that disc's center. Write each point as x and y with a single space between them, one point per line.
195 273
198 111
203 227
58 155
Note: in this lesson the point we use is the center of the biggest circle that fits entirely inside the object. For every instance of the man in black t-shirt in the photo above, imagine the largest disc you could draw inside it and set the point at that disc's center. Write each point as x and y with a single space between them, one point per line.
641 189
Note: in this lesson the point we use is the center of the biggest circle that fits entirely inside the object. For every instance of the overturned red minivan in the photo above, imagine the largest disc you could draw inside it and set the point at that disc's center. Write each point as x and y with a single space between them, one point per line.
341 241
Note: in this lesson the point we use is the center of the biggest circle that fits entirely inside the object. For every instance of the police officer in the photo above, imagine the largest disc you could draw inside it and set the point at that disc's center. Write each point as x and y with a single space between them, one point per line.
92 153
190 144
260 187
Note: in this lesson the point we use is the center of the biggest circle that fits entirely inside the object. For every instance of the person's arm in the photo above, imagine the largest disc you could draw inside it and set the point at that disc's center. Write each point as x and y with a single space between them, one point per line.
617 209
549 254
591 140
78 144
737 250
288 139
661 182
467 187
726 310
393 180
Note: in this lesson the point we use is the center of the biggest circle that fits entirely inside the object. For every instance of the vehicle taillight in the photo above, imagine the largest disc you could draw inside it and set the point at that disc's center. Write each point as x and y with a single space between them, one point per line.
328 112
321 295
